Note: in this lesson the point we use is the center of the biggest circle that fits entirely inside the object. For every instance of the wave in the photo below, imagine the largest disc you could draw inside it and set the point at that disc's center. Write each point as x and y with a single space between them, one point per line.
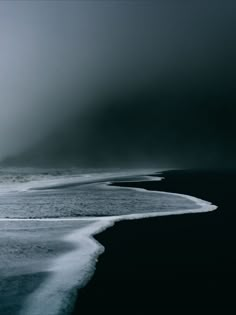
18 180
72 270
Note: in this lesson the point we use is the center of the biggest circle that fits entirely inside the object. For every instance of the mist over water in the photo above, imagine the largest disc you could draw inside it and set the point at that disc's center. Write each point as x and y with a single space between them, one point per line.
101 84
87 89
117 83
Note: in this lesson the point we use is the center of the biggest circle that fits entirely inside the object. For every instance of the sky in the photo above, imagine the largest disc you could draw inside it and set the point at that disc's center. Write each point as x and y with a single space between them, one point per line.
118 82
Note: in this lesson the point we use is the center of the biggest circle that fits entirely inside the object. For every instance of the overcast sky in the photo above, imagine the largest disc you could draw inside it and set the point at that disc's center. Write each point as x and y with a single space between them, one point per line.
100 80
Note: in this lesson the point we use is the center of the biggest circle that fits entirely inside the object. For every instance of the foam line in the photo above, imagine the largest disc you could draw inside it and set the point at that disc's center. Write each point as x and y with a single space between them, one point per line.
64 181
73 270
79 182
204 206
68 273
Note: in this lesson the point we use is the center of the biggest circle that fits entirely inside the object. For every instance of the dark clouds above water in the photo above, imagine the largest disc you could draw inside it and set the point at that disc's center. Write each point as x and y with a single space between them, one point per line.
118 83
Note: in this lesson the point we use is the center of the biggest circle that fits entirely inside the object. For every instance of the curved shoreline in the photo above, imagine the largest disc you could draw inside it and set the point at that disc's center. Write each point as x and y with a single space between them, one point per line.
72 270
171 263
204 206
87 247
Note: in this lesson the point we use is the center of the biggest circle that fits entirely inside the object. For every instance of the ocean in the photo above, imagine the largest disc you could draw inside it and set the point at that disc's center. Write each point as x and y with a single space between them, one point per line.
48 218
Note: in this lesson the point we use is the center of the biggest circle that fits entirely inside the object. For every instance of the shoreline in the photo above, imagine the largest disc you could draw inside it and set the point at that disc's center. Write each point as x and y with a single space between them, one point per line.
156 249
73 269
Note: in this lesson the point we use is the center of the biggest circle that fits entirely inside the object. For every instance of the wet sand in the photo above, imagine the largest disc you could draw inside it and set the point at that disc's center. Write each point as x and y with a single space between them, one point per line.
175 264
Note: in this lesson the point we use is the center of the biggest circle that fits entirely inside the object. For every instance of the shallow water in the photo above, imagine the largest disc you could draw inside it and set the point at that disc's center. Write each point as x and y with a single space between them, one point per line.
46 225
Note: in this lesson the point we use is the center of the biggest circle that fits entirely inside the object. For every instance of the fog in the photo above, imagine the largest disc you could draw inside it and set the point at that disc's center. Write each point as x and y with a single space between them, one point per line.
118 83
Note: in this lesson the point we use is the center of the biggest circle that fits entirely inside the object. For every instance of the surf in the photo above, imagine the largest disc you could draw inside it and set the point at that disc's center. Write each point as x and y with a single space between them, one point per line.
71 270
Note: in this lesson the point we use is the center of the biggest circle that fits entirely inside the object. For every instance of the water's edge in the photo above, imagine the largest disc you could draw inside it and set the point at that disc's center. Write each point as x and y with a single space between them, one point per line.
49 299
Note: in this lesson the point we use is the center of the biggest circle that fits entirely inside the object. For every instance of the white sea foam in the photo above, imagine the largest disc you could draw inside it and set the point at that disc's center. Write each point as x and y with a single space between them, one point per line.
72 270
69 271
22 180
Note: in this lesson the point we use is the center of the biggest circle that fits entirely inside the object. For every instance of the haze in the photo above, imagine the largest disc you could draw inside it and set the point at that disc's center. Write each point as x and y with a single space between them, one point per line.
118 82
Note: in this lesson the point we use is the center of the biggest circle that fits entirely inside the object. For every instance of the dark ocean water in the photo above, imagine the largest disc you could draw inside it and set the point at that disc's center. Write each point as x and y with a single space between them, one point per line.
47 219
